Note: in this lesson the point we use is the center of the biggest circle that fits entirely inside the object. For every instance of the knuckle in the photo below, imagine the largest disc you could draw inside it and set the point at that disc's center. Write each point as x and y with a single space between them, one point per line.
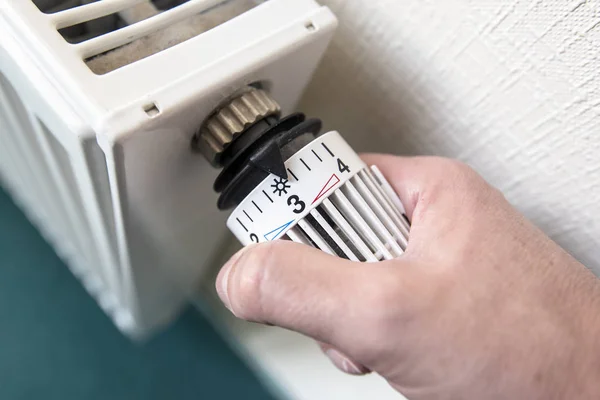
451 178
455 170
383 305
380 298
446 181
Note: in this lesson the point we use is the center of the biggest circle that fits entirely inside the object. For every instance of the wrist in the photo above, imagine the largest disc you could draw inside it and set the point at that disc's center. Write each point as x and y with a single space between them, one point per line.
581 334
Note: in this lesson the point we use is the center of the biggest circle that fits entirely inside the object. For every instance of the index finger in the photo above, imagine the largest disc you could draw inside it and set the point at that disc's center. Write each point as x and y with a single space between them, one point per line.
407 175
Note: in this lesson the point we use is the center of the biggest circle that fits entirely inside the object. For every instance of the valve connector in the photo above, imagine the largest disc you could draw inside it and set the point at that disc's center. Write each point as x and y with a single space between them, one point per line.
226 123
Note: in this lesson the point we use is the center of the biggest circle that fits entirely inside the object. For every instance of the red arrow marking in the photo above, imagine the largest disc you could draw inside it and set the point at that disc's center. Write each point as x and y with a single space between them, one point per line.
331 182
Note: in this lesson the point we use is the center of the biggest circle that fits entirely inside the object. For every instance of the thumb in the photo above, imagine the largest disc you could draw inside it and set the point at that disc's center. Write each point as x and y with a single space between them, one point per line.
300 288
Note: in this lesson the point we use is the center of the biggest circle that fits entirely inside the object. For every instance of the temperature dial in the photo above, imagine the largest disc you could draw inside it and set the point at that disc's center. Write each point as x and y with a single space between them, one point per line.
287 181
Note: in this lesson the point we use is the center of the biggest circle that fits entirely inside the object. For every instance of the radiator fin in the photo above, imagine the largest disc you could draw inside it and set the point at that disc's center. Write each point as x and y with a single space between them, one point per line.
40 174
96 162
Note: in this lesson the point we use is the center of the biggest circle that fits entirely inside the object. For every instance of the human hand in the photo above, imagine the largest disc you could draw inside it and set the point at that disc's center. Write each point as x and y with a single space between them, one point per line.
482 305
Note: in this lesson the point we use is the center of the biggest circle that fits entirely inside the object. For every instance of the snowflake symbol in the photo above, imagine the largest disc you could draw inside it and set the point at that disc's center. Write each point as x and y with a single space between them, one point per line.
280 186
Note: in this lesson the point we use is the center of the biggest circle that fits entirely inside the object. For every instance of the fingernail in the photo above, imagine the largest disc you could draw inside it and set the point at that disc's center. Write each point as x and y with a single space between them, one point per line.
343 363
223 278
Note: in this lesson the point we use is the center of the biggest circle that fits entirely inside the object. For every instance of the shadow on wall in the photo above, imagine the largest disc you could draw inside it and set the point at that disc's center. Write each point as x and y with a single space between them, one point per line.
511 89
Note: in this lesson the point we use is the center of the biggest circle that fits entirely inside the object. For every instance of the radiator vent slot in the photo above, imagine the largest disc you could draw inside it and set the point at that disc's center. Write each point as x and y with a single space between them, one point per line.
90 29
53 6
109 34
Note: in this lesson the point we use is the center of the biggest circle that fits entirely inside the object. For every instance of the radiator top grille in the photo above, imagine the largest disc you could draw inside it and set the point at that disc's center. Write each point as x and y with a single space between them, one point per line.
109 34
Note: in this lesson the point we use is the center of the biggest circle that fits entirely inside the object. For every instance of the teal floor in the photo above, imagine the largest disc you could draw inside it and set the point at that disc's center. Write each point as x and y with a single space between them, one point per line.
55 343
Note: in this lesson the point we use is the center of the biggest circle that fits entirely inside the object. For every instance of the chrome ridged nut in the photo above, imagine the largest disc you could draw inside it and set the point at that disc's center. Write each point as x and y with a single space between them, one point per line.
230 120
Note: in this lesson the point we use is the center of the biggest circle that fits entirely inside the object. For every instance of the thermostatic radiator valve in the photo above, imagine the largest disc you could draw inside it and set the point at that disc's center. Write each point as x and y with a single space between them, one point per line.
285 180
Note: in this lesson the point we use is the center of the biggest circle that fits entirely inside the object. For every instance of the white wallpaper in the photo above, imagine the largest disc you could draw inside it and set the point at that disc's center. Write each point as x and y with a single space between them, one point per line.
512 87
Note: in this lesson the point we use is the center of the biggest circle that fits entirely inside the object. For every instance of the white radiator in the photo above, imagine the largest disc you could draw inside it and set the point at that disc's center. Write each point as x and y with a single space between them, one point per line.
98 103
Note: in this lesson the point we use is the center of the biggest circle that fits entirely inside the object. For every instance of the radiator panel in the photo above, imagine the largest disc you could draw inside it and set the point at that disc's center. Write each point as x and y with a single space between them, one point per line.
102 164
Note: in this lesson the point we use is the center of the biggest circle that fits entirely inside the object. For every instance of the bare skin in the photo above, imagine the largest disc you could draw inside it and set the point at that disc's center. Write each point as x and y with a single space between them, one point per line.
482 305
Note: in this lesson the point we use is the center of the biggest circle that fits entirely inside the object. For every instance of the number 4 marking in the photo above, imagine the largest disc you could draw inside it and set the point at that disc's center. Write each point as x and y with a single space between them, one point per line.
342 167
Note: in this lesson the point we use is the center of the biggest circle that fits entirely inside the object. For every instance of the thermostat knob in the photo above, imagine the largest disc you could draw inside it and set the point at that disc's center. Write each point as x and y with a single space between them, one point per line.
331 200
287 181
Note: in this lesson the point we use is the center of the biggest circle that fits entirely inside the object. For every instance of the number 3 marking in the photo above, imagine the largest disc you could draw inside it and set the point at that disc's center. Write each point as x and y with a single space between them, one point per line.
294 200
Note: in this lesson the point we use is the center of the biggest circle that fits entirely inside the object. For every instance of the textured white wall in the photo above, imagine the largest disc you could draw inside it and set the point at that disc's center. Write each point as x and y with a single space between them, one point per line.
512 87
